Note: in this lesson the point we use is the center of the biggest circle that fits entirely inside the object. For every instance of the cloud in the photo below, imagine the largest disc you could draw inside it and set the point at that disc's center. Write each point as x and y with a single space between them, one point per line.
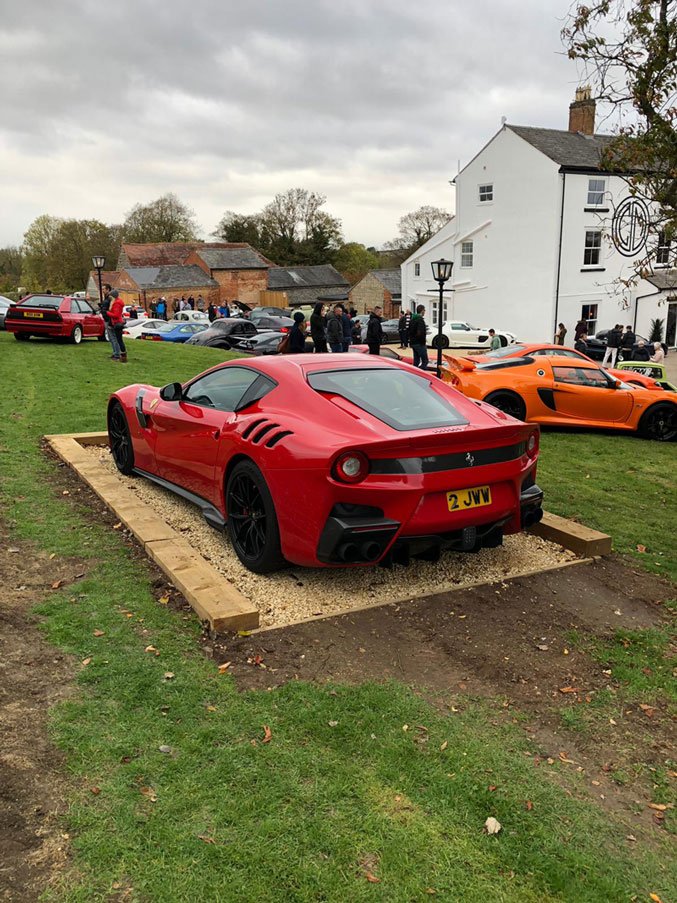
227 103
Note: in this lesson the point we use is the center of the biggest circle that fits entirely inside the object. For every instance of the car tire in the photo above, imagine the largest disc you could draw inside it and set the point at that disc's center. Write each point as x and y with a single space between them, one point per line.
76 335
21 336
508 402
120 439
436 342
251 519
659 422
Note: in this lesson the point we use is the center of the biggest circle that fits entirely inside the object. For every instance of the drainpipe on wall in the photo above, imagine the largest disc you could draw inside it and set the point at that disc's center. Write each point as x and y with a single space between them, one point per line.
559 253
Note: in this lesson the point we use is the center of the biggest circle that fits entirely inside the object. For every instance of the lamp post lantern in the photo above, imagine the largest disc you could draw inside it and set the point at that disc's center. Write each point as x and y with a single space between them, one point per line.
441 274
98 263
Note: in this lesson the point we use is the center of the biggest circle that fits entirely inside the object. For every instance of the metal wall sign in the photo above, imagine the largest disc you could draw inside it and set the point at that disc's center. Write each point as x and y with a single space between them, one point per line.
630 227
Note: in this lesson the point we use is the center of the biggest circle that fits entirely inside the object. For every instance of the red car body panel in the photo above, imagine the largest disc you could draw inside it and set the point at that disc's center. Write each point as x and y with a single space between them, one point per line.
294 434
29 317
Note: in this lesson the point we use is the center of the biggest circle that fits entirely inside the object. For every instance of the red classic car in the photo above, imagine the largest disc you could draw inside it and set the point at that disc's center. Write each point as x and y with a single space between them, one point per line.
56 317
325 462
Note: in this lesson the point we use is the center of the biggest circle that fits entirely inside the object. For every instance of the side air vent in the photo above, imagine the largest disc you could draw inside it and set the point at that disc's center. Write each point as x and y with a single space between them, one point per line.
259 434
252 426
274 439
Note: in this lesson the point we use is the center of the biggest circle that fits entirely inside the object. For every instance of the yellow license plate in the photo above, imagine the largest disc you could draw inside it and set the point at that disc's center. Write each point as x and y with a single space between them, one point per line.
33 313
463 499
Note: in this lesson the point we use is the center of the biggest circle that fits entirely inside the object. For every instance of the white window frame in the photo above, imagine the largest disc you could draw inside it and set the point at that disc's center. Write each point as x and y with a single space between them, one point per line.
591 321
417 269
594 193
663 250
467 254
486 188
433 312
592 248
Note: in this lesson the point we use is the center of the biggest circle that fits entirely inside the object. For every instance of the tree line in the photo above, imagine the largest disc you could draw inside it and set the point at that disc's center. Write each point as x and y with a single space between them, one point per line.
294 229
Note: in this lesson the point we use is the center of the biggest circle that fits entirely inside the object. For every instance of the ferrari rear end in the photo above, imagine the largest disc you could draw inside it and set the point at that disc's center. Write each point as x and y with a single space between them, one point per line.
427 470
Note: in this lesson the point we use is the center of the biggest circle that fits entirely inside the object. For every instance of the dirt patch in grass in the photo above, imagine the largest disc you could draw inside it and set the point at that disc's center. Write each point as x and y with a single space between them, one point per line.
33 677
509 641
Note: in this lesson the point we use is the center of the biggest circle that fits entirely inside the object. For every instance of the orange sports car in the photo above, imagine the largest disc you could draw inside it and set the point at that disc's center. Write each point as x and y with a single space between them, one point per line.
563 391
536 350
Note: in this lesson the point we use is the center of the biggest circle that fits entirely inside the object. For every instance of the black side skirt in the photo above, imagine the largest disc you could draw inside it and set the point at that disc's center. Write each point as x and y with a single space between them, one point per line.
210 513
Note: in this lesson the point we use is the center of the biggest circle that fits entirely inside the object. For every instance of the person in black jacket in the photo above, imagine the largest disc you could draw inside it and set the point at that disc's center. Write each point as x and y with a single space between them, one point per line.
613 343
335 329
297 336
418 336
640 352
403 328
375 331
628 340
347 327
581 343
318 323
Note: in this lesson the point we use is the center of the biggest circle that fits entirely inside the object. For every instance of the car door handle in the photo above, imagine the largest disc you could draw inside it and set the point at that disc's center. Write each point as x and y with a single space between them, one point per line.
216 434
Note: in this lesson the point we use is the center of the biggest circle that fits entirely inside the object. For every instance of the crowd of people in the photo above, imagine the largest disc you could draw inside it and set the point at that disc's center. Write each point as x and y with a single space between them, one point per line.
621 344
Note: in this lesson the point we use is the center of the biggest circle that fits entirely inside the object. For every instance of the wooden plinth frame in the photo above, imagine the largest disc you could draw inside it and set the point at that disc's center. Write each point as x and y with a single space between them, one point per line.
214 598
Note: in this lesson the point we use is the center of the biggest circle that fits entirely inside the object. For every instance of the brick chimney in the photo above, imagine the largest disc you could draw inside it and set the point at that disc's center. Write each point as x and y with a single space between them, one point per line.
582 112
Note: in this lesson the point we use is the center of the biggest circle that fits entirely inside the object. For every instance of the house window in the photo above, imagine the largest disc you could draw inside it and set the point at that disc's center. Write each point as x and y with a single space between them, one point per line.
663 250
487 192
434 312
593 245
466 253
595 192
417 269
589 314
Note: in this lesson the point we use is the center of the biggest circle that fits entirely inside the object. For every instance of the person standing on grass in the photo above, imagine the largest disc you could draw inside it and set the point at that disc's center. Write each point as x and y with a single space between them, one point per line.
375 331
495 343
104 308
418 334
117 321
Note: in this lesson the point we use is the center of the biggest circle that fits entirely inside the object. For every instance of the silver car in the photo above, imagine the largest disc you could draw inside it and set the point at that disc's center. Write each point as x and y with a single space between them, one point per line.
5 305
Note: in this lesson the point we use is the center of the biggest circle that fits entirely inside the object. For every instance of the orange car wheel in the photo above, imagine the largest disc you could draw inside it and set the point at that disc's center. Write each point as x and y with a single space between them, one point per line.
508 402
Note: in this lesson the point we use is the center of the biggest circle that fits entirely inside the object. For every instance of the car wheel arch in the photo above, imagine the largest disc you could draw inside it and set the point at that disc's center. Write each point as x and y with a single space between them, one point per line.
642 425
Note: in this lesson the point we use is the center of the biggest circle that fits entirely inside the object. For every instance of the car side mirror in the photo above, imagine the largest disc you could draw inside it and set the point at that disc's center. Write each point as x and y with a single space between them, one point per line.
171 392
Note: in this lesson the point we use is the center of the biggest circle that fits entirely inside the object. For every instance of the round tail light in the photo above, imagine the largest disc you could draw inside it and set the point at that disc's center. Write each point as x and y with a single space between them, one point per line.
532 445
351 467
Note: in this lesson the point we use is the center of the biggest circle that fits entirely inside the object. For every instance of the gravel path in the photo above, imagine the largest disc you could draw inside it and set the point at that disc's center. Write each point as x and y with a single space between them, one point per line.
298 593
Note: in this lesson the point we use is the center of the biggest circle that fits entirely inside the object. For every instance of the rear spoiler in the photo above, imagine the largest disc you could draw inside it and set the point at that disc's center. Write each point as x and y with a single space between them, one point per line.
459 363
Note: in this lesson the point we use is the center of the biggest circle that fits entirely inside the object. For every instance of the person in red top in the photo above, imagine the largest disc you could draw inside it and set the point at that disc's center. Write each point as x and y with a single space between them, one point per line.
117 320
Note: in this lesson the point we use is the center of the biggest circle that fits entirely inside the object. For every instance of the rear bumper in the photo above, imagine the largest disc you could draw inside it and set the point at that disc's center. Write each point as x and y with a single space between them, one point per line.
38 327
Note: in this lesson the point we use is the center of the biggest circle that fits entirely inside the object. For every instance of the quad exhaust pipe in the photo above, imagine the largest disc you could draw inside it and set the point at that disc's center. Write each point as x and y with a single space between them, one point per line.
350 552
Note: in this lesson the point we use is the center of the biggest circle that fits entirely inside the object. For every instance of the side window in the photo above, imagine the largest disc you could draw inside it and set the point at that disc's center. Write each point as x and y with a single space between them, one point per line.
417 269
221 389
581 376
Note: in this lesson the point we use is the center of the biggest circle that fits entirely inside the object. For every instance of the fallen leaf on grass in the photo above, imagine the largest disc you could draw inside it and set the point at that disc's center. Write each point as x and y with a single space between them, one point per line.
99 632
224 667
492 825
648 710
244 633
149 793
118 525
542 647
661 807
267 734
163 600
86 661
52 556
444 745
168 675
13 550
641 548
528 805
563 758
568 690
372 878
205 838
655 898
57 584
151 649
332 723
95 790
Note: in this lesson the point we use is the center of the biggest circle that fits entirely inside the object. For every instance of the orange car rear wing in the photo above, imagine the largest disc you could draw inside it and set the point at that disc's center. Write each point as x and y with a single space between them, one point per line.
459 363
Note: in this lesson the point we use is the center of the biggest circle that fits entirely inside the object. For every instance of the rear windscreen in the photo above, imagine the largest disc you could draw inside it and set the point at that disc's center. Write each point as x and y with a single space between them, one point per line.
402 400
42 301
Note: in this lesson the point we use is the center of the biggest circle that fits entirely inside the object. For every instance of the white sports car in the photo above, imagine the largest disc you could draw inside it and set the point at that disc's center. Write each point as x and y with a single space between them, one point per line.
134 328
458 334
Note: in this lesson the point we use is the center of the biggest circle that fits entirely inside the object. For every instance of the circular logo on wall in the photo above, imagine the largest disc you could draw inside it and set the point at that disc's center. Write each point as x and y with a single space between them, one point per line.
630 227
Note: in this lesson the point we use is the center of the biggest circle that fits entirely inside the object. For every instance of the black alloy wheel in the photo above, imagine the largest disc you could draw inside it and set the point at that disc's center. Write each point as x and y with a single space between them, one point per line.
252 522
437 342
659 422
76 335
120 439
509 403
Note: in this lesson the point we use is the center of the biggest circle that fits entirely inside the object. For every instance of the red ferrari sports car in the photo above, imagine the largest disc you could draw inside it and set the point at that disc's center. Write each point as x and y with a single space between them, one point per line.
56 317
318 461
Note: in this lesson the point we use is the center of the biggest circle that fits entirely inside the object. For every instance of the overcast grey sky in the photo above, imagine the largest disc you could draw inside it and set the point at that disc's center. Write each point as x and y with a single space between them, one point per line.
225 103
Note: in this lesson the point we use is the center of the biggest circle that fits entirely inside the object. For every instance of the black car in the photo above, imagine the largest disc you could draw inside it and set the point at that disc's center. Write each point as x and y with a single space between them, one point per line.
597 346
265 343
273 324
224 333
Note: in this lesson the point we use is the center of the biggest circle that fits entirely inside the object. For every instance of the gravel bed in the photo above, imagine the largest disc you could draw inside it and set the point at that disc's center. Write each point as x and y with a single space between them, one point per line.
298 593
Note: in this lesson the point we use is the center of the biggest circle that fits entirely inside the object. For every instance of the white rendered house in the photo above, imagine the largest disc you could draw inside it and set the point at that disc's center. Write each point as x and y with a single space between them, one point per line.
532 240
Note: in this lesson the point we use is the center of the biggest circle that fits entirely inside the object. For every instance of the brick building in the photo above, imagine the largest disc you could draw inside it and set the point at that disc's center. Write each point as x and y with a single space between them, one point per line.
382 288
303 285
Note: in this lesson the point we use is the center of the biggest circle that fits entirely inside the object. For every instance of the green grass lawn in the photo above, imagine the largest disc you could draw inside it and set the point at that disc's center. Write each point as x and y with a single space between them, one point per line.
342 804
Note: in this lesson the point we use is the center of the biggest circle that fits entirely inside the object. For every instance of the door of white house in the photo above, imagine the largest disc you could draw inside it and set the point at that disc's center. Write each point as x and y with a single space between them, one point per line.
671 325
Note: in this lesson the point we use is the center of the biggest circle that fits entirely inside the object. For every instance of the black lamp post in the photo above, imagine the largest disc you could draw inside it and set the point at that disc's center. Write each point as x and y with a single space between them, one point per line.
441 274
98 263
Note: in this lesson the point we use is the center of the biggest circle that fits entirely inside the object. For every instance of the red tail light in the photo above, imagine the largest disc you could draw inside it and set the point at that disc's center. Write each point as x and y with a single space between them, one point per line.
284 329
350 467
